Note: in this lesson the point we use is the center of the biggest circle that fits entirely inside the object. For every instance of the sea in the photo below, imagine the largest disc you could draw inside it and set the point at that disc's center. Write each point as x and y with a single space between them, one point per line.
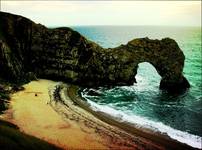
143 103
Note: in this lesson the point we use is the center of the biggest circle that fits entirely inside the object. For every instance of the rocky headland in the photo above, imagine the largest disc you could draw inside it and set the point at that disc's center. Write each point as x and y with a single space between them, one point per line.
29 51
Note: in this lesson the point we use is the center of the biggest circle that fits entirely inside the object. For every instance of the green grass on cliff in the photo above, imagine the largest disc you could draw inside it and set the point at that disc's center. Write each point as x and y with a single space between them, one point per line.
12 139
3 96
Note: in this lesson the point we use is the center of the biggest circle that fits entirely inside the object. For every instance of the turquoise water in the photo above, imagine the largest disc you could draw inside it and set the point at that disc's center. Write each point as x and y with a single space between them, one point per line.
144 99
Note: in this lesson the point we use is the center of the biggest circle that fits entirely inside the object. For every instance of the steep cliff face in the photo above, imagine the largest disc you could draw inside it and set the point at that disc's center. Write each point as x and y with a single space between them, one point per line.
28 49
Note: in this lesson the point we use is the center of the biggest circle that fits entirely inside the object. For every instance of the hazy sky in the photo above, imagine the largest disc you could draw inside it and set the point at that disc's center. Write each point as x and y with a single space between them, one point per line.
68 13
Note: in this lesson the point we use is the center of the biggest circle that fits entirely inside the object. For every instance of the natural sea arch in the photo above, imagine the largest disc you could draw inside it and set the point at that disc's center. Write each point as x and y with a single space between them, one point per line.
118 66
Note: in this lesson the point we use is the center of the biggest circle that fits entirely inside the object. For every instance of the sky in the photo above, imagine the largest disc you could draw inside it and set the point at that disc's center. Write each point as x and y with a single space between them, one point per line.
74 13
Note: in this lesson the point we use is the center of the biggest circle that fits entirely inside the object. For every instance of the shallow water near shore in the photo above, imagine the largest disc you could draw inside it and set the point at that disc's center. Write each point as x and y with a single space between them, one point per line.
143 103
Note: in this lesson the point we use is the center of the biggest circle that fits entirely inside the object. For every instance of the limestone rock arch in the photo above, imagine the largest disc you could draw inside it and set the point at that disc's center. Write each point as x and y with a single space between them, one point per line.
121 63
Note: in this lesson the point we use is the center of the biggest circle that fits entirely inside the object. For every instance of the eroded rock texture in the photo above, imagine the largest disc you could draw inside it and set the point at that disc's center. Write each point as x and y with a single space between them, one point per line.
28 49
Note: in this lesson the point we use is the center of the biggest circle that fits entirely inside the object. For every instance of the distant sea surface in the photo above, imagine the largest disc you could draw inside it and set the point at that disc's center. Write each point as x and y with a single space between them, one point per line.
179 116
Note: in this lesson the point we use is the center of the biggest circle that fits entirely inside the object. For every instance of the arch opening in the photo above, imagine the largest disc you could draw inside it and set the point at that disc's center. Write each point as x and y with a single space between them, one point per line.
147 76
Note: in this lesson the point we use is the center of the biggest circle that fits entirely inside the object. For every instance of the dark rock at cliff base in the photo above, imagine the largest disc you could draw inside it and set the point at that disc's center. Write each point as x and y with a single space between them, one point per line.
179 87
64 54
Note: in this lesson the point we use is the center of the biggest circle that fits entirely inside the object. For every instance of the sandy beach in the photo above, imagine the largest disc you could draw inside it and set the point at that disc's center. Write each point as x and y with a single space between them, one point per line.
66 125
35 117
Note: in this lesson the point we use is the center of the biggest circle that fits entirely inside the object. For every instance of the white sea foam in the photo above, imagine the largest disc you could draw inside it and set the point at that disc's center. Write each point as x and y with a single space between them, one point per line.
183 137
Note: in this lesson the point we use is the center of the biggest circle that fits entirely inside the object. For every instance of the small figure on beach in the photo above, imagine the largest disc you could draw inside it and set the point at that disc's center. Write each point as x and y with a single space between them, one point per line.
36 94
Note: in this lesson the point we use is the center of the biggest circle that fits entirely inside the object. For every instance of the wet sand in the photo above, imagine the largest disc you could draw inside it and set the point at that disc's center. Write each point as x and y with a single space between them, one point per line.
156 137
66 125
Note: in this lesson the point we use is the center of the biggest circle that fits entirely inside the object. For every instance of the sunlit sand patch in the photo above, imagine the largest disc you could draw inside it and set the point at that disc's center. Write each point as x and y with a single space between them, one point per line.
29 109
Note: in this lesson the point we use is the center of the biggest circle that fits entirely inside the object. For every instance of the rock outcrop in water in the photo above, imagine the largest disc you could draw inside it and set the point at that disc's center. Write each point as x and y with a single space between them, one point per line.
29 50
